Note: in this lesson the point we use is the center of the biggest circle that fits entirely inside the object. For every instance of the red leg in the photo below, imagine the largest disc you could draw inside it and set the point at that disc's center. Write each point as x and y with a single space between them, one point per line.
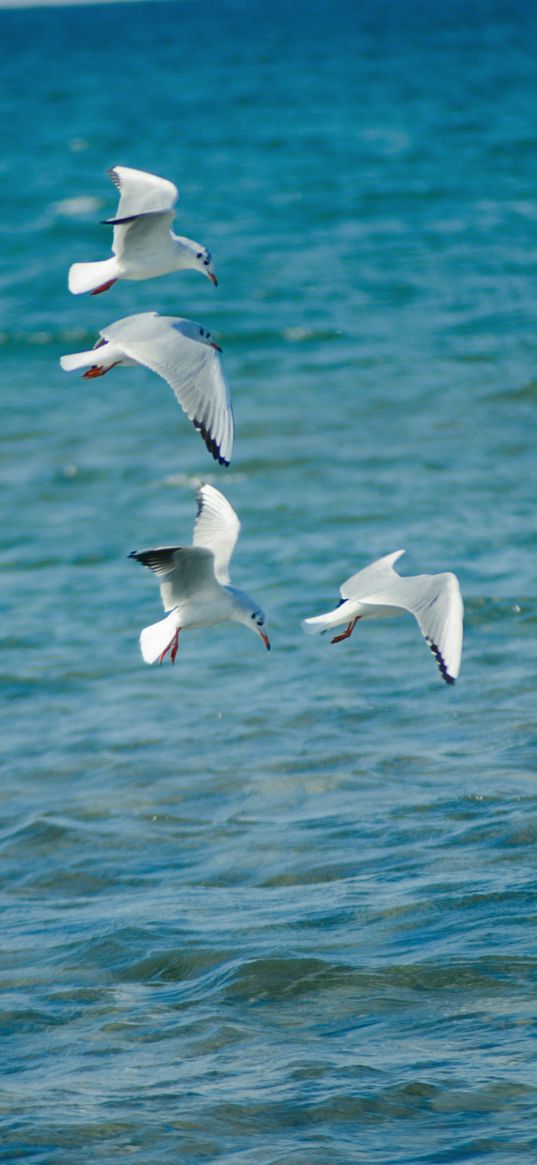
104 287
161 657
175 642
347 632
98 370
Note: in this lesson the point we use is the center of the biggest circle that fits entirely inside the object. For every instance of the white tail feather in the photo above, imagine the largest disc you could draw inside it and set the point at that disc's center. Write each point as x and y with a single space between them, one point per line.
79 360
318 624
89 276
156 638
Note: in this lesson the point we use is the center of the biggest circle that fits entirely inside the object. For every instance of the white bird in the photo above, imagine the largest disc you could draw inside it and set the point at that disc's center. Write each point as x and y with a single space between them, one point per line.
144 244
434 600
180 351
195 585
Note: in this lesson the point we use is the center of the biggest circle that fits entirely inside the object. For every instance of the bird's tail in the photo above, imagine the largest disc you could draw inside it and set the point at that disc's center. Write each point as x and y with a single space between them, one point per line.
79 360
92 277
155 639
321 623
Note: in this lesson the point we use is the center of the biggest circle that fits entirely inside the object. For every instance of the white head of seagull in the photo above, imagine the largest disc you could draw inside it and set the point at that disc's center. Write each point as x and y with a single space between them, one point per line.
378 591
184 354
195 584
144 245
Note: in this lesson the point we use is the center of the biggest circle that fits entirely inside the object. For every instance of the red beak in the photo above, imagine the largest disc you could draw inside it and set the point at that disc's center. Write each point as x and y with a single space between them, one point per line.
213 278
265 639
215 346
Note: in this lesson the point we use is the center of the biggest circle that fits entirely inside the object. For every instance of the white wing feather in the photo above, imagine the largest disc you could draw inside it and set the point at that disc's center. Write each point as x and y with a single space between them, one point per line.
141 193
187 572
216 528
191 368
435 601
143 237
367 580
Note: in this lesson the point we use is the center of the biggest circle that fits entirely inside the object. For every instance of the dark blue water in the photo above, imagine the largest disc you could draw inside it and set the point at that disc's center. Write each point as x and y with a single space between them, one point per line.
272 910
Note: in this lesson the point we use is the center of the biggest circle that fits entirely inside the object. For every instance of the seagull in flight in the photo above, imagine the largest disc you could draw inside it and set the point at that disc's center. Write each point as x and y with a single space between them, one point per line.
434 600
194 580
144 244
180 351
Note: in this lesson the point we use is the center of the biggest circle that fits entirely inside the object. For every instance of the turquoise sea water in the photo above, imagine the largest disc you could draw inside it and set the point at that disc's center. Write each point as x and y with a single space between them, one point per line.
272 910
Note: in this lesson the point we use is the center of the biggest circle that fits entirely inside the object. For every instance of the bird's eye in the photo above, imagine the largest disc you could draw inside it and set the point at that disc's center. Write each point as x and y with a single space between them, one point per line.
202 333
199 255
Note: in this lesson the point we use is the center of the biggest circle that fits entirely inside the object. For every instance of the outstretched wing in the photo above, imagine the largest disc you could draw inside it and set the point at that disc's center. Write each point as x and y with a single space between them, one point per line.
186 572
191 368
366 581
142 234
216 528
435 601
141 193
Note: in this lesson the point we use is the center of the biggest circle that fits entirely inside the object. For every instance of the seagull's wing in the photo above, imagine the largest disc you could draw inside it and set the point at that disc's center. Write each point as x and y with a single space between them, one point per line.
435 601
191 368
216 528
368 580
187 573
140 193
142 235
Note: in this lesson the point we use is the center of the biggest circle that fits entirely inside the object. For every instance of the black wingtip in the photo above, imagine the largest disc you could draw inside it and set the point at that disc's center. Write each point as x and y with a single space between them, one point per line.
114 222
211 443
133 554
441 662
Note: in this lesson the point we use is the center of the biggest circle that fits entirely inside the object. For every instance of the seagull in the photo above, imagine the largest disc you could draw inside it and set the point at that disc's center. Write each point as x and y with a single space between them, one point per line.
434 600
180 351
144 244
195 585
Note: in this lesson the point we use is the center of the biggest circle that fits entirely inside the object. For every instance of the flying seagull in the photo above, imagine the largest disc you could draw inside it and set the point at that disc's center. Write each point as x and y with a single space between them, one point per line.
184 354
144 244
195 584
434 600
